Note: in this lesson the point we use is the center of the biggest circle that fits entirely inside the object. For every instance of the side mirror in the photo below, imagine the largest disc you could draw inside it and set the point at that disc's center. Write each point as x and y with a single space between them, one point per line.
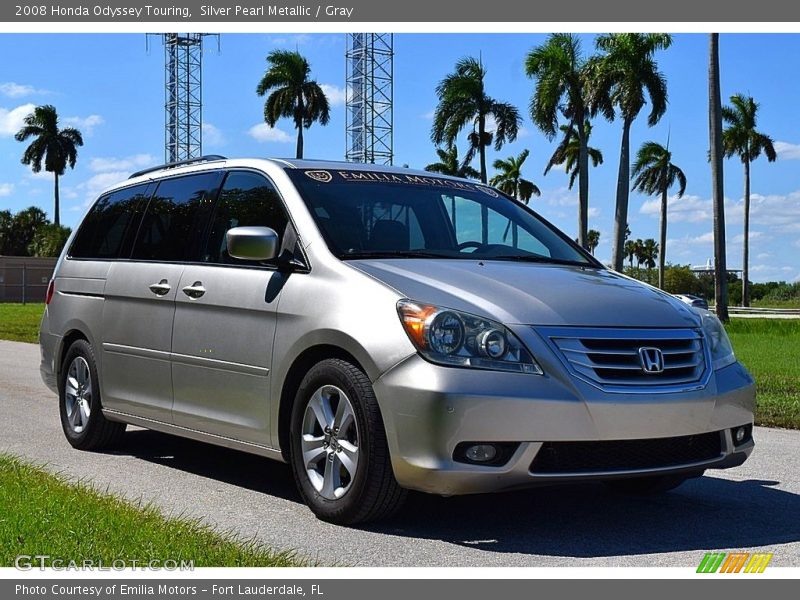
252 243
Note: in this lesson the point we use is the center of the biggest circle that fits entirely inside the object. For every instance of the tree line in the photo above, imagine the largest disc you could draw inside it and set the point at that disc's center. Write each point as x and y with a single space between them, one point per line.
571 89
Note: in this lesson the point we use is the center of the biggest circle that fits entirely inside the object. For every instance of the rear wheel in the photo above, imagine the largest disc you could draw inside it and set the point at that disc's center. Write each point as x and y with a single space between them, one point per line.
82 418
339 454
646 486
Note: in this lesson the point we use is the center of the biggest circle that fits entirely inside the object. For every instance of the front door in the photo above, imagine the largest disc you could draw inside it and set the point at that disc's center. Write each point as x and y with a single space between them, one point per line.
225 321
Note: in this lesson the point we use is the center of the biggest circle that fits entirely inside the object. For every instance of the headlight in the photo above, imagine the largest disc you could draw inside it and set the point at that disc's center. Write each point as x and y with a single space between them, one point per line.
717 338
451 337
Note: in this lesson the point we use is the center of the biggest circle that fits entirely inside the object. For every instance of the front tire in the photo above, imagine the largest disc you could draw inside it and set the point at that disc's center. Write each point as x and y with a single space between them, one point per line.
339 455
81 411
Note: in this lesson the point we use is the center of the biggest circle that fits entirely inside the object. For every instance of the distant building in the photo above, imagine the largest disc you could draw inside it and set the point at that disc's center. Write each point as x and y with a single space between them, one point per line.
709 269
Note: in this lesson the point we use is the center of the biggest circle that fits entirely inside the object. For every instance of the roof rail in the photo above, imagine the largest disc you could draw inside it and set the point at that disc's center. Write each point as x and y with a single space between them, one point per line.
180 163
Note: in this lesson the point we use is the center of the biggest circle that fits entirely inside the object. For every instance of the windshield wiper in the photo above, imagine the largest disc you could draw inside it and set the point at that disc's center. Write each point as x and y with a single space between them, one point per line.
394 254
535 258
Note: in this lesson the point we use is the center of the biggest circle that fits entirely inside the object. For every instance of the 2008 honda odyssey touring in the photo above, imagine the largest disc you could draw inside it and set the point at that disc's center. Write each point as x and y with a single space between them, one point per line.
381 330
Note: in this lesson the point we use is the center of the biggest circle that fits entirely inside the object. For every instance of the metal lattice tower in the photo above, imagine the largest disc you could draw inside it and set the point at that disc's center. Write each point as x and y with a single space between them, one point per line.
370 90
183 80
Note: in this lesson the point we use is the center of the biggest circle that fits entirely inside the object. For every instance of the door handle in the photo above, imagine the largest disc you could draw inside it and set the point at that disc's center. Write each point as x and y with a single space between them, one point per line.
161 288
195 290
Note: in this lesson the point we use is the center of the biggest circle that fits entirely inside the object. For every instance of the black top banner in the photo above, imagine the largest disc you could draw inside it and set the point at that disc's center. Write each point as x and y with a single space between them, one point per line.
443 11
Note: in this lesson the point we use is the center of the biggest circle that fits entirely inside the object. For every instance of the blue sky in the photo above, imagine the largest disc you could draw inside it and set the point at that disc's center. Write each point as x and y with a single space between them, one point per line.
111 88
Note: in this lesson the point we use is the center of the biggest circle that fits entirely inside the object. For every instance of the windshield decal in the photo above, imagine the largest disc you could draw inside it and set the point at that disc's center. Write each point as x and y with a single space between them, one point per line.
318 175
398 178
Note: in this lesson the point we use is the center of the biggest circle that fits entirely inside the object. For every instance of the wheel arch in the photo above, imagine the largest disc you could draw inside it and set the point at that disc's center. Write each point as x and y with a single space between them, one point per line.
294 376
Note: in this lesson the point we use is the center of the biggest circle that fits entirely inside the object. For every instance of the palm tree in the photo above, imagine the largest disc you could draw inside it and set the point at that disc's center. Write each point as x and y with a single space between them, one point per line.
509 178
562 85
743 140
463 101
649 253
292 94
58 148
593 239
638 251
448 164
628 76
654 174
568 152
716 151
630 251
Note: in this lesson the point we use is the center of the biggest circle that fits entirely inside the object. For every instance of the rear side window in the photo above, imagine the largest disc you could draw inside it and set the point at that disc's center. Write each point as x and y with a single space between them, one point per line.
246 199
108 229
175 218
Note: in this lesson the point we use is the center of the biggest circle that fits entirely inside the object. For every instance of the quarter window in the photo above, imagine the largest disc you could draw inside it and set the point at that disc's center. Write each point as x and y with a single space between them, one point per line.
108 229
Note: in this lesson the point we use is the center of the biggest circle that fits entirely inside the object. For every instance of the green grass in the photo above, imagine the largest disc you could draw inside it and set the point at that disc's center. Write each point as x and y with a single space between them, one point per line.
770 349
20 322
794 303
43 514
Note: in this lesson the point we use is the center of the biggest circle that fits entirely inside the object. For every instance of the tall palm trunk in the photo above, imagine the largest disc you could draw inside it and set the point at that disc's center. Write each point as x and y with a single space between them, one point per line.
57 211
662 238
746 241
298 121
717 184
623 182
482 151
481 147
583 185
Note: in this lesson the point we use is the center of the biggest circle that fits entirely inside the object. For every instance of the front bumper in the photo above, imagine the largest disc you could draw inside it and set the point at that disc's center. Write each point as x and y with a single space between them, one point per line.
428 410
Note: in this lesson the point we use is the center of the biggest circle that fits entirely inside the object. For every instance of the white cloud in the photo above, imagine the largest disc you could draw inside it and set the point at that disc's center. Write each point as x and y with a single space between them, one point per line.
594 212
11 121
428 116
18 90
705 239
92 187
523 132
298 39
779 212
128 163
787 151
264 133
6 189
212 135
754 235
335 94
86 125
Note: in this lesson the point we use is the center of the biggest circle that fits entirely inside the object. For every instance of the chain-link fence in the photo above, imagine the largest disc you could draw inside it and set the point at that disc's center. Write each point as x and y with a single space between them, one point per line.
24 279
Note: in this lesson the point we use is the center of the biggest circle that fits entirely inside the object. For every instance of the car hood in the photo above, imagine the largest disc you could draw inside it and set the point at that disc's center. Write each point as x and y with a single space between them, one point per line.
532 293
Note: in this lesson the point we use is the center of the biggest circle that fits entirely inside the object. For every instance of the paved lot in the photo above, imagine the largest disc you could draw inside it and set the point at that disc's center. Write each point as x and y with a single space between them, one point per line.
754 506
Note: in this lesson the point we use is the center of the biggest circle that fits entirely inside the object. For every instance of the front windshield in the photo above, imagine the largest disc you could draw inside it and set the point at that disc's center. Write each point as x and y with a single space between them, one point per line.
366 214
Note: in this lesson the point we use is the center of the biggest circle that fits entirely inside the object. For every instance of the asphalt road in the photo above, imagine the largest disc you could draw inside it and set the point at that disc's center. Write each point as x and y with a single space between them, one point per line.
755 506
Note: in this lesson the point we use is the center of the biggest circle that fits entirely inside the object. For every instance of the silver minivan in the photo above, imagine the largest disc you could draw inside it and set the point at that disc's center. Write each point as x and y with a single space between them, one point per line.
381 330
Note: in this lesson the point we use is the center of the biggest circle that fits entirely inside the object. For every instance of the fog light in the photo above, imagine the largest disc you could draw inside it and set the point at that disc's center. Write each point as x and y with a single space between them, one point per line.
481 453
740 435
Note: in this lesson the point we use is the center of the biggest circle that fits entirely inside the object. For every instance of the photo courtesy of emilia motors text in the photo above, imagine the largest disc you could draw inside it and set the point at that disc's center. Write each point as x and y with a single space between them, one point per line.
436 299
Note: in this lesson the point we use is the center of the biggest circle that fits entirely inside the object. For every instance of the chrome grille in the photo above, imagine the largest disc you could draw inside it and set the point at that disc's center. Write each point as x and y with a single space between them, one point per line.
610 358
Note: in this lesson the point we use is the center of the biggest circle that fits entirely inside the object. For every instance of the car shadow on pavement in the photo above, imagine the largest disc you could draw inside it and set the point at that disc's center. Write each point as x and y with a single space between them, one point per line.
214 462
589 520
580 521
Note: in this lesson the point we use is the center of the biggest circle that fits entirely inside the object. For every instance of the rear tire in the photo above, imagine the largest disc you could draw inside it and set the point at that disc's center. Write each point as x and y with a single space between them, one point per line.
79 403
338 450
648 486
